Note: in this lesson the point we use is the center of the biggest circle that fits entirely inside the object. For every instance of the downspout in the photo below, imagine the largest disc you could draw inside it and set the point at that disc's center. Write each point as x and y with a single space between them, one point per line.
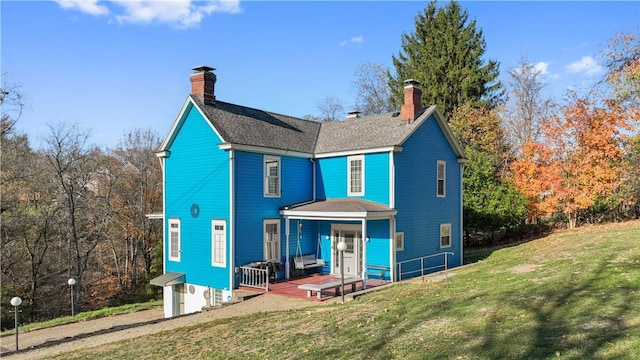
313 181
461 213
392 219
232 224
162 156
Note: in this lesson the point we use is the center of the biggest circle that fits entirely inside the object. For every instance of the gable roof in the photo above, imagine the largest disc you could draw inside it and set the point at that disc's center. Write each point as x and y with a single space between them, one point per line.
240 125
246 126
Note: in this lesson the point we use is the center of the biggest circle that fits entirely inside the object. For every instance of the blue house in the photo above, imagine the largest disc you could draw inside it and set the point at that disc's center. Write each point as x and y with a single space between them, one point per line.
252 196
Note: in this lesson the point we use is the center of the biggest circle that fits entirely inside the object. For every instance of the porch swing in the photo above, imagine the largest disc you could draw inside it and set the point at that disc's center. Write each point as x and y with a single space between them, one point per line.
310 261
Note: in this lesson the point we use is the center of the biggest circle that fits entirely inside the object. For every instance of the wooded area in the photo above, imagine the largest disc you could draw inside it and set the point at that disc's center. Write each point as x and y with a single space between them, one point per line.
73 210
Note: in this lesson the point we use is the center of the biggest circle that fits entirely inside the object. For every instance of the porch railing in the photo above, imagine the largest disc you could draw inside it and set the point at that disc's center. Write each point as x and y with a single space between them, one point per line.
422 269
254 277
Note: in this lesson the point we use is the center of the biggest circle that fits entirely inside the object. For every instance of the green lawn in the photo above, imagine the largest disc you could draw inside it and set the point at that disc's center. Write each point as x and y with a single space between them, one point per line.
572 295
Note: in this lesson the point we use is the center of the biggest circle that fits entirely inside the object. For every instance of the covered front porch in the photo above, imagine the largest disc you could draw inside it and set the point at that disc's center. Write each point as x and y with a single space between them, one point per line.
314 230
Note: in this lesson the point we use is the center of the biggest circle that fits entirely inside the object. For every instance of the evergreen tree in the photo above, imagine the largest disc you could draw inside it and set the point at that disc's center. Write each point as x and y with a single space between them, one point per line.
445 55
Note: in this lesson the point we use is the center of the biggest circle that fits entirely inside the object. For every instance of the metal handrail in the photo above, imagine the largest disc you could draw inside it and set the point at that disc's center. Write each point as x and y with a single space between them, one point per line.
422 268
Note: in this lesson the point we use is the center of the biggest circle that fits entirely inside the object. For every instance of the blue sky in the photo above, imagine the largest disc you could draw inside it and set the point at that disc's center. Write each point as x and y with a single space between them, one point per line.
115 66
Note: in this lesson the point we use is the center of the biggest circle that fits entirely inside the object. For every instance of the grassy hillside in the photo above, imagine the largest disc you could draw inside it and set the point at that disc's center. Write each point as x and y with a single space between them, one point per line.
573 295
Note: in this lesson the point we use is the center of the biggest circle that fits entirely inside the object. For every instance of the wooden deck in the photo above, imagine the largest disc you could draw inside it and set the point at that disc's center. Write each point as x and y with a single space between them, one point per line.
290 288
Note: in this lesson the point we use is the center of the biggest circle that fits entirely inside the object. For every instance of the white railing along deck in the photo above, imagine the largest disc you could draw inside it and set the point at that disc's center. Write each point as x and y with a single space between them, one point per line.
254 277
422 270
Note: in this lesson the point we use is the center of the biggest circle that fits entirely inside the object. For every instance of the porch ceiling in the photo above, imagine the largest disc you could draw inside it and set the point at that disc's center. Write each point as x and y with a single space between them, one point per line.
339 209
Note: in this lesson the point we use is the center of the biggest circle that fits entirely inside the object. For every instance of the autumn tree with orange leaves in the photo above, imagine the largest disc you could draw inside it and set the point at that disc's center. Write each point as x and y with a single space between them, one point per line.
578 160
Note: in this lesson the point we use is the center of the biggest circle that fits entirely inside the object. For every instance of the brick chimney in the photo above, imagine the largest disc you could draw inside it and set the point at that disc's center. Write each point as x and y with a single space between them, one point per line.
203 83
412 101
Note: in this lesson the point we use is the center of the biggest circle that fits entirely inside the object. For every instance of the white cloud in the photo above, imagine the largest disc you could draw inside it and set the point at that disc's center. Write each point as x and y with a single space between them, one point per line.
86 6
181 13
353 40
587 65
541 68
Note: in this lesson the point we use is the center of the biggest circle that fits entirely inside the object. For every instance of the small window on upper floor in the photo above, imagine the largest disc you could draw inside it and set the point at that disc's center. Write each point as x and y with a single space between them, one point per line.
441 184
355 175
271 176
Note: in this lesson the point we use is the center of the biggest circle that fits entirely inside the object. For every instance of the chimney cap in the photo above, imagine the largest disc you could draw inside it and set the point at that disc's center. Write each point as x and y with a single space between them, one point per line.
411 82
203 68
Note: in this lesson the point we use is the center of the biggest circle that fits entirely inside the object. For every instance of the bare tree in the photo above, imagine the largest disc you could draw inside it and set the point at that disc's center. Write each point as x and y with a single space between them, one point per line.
12 104
621 57
137 193
526 106
73 162
331 109
371 85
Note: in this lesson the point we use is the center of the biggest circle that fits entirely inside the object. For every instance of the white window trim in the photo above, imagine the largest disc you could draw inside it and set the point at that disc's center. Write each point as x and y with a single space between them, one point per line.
444 178
179 230
223 249
268 159
399 236
362 178
264 241
442 227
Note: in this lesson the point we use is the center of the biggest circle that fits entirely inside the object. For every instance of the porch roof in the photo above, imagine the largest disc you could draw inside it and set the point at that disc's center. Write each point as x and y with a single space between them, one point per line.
343 209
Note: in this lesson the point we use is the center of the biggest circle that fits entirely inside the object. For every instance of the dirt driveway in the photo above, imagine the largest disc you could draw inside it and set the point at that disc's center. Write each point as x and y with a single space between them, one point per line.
55 340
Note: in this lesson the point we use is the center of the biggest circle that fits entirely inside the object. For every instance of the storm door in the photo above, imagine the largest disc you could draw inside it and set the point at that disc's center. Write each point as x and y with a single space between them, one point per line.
353 253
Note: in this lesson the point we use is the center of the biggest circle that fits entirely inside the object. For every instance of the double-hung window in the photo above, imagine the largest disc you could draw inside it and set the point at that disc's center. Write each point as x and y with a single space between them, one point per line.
218 243
445 235
272 239
442 178
271 176
355 176
174 239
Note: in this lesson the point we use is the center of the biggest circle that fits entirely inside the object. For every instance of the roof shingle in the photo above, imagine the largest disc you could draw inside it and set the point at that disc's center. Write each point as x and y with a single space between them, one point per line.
247 126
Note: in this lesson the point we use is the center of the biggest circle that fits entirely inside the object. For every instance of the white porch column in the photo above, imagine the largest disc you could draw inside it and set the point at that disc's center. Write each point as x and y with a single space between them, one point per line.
392 249
364 247
286 261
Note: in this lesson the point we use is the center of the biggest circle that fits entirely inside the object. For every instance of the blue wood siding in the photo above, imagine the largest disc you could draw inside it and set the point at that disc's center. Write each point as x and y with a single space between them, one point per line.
252 208
332 178
378 245
420 211
197 172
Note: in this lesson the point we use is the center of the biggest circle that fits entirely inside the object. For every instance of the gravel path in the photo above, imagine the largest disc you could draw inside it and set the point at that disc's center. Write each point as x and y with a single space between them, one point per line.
55 340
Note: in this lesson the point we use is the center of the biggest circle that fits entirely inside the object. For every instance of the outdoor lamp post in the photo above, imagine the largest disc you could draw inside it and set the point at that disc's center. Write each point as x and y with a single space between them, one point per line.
15 302
342 246
71 282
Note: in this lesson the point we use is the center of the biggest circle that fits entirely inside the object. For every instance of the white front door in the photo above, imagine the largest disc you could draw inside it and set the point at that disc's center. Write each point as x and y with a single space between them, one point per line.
353 239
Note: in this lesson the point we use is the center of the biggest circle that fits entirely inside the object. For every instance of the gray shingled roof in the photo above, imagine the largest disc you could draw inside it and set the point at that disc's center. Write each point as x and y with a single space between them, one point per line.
341 205
246 126
364 133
